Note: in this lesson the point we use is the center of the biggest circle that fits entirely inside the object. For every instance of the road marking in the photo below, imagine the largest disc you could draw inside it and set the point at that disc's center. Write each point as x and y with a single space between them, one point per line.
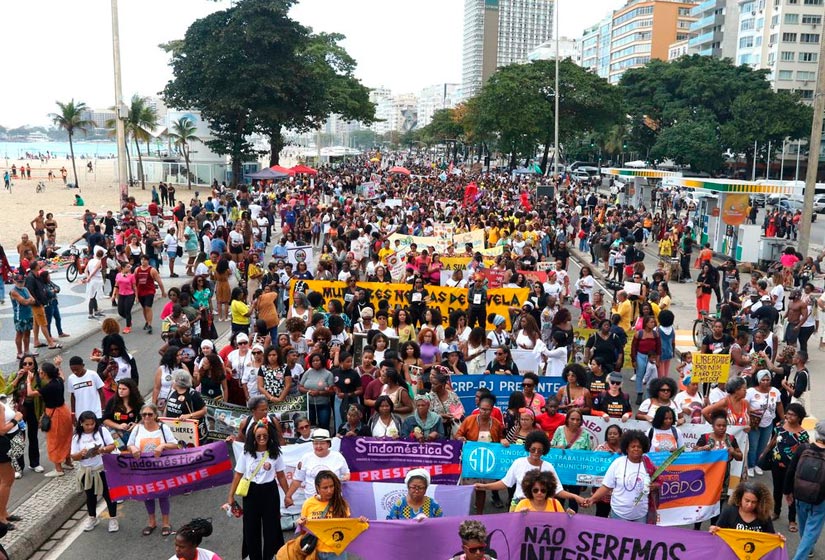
75 532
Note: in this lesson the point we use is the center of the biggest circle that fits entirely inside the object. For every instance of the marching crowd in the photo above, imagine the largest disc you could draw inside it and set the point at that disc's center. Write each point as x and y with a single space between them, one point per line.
369 368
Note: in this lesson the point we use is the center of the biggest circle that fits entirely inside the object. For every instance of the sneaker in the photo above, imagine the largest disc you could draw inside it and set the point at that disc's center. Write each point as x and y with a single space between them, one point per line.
758 471
99 314
633 377
149 330
639 398
145 326
127 330
37 469
54 474
751 473
114 526
92 317
91 523
18 475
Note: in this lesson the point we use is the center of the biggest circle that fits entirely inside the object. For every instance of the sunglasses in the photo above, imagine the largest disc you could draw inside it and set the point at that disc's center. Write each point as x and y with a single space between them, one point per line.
475 549
28 363
147 414
256 352
242 343
529 385
615 382
538 490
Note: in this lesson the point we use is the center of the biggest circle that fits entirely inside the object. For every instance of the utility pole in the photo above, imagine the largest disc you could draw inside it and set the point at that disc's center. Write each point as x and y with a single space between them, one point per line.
121 112
556 158
813 154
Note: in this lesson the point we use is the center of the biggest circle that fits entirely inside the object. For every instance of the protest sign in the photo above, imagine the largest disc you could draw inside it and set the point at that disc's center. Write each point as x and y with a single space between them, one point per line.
574 467
690 487
302 254
493 251
224 419
367 189
336 533
183 430
495 278
439 244
460 263
710 368
527 361
474 238
445 299
596 426
534 535
374 460
175 472
373 500
465 386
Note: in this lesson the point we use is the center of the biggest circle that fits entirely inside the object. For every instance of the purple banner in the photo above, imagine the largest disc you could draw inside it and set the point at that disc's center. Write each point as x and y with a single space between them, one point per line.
559 536
373 500
173 473
389 460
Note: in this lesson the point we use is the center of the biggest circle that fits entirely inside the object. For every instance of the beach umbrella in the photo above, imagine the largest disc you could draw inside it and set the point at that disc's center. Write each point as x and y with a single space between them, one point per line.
401 170
303 170
281 169
267 174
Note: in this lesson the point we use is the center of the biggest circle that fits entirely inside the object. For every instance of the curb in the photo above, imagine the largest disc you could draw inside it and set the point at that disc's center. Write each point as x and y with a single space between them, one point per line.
56 501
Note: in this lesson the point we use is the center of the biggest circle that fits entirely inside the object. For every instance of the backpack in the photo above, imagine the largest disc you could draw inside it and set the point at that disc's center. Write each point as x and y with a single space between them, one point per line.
809 482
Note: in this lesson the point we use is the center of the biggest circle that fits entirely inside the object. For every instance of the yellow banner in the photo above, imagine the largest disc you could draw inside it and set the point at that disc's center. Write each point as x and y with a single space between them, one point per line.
336 534
460 263
493 251
750 545
446 299
710 368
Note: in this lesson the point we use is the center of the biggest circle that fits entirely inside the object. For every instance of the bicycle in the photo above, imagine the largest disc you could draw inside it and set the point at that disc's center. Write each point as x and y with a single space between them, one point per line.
78 264
704 327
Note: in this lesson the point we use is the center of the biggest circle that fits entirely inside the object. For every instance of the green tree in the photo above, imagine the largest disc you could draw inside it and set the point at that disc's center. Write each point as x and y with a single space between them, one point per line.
183 133
250 68
704 95
516 105
141 120
70 118
691 142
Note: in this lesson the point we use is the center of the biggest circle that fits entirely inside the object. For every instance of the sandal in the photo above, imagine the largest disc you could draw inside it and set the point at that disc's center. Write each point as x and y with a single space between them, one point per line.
793 527
55 346
20 356
148 530
39 345
166 531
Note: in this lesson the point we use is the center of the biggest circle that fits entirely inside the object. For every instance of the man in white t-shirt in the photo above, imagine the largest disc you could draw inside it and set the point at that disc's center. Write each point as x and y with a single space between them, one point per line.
85 388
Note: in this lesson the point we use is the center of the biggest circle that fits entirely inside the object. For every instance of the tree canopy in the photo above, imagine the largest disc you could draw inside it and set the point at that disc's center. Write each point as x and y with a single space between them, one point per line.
250 68
696 108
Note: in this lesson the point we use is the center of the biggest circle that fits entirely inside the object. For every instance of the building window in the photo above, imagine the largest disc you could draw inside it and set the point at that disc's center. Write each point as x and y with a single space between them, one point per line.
793 2
808 18
805 93
787 56
786 75
747 24
792 19
806 76
813 2
807 57
789 37
809 37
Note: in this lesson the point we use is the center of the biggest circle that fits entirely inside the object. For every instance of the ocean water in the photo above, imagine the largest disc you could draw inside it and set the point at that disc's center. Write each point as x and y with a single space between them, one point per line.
18 150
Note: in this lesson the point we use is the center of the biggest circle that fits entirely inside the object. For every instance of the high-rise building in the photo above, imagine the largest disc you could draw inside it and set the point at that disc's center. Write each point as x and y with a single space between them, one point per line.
499 33
634 35
393 112
434 98
782 36
715 31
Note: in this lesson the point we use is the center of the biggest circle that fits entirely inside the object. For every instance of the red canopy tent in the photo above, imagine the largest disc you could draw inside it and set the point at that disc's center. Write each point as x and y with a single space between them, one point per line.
281 169
401 170
303 170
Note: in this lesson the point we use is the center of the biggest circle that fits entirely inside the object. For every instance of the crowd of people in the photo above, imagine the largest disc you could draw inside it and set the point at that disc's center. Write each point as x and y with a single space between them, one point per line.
371 369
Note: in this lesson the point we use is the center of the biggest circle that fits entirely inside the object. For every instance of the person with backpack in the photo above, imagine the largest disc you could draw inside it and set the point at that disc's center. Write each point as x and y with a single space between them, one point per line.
805 485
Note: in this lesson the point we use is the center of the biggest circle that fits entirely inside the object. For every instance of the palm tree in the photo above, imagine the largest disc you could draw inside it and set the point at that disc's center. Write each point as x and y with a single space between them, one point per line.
70 118
183 132
142 119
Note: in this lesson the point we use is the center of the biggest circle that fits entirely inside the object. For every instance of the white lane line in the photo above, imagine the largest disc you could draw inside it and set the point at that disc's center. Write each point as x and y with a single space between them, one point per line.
75 532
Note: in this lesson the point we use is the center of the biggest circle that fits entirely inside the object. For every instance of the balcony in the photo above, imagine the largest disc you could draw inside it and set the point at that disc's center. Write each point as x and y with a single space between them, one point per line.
705 22
704 38
700 9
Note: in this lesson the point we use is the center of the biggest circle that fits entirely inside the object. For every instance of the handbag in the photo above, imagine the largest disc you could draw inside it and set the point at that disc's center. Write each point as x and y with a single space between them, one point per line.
46 422
765 461
243 484
179 251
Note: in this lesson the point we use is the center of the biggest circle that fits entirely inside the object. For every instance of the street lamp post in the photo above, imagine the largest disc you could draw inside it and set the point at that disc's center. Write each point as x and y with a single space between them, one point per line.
120 110
556 96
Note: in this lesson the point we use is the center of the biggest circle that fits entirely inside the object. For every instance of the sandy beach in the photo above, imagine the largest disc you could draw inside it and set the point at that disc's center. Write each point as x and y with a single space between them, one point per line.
98 189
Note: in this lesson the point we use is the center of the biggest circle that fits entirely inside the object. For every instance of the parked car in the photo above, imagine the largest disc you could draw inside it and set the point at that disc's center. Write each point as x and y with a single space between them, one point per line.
819 203
793 205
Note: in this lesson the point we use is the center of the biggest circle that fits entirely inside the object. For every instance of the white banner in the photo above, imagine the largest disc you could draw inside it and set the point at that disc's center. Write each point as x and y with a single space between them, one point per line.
526 360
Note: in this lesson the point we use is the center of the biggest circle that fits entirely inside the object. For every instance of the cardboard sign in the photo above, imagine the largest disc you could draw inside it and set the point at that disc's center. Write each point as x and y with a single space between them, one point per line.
710 368
183 430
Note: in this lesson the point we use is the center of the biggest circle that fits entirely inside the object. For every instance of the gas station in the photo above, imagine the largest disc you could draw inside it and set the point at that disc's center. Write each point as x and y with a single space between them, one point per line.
721 209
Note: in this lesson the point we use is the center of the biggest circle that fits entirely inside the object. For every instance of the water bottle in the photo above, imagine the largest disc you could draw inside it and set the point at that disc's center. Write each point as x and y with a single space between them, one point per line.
22 425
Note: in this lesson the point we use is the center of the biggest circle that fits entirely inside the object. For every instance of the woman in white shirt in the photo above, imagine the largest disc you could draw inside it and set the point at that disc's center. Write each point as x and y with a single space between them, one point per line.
263 466
628 479
150 436
89 442
171 244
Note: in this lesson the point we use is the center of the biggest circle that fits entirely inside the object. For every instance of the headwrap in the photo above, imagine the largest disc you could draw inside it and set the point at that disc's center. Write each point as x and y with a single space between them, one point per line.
498 320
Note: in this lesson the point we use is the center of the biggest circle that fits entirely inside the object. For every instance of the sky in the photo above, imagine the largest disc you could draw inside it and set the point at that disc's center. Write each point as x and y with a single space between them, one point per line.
67 52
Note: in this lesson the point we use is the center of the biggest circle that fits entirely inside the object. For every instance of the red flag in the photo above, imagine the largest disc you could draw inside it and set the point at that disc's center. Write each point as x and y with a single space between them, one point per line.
525 201
470 192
